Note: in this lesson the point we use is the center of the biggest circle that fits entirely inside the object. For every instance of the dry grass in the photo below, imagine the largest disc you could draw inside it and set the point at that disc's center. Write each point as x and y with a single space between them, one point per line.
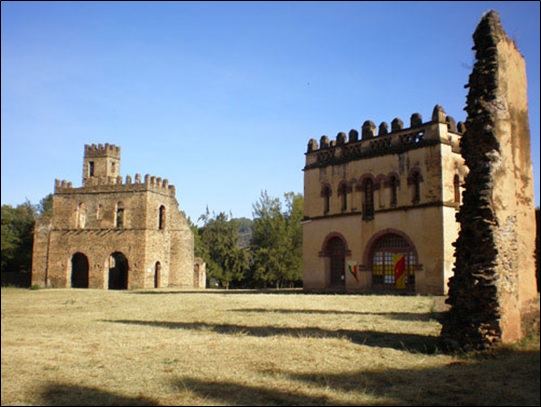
93 347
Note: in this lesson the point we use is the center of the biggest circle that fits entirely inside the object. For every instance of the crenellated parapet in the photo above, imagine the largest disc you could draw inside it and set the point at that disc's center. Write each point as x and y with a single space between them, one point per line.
118 184
100 150
441 129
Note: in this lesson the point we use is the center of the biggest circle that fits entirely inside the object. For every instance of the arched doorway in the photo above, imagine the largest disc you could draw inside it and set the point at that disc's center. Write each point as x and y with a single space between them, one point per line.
335 250
393 260
79 271
118 271
157 274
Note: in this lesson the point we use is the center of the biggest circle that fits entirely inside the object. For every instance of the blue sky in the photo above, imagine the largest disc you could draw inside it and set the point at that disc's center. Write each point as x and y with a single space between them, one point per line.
221 98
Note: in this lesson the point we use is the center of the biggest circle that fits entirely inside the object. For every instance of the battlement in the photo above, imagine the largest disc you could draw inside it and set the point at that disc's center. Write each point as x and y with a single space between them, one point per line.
399 139
116 184
100 150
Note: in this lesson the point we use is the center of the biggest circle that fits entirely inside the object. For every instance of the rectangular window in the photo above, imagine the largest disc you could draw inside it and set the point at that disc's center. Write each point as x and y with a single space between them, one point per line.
91 168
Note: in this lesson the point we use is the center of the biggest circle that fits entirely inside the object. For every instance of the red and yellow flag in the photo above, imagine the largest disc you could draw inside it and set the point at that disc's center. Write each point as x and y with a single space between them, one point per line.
399 261
352 266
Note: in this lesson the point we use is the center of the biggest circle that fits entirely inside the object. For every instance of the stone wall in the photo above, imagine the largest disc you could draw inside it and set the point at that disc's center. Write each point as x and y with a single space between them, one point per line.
492 293
139 219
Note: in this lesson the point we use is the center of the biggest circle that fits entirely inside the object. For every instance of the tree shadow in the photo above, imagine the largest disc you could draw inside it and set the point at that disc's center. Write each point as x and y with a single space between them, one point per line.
230 393
57 394
400 341
511 379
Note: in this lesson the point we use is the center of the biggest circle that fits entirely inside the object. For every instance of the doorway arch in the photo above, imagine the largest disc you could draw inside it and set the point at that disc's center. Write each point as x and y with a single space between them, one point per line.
335 249
118 271
79 271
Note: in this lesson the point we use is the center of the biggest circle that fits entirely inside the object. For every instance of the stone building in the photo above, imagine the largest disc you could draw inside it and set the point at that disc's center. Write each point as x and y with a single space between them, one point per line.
380 208
112 234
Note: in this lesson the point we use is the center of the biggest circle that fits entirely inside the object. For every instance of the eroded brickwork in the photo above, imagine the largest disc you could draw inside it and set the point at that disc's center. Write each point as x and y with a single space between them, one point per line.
493 291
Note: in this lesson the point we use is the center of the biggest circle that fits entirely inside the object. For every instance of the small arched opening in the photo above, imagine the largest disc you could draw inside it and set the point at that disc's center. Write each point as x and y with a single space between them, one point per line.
157 274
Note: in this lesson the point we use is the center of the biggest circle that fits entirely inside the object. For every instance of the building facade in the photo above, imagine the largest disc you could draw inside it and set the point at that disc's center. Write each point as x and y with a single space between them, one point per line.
380 208
112 234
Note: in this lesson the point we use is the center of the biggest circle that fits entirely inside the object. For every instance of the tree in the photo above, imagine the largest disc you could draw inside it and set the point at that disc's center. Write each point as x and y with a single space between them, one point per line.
17 237
226 260
45 207
277 239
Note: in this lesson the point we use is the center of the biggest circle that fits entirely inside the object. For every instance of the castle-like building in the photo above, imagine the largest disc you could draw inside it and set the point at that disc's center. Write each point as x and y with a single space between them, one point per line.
379 209
112 234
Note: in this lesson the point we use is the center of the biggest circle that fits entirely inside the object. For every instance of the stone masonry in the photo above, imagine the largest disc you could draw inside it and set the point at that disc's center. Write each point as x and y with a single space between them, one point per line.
493 293
114 234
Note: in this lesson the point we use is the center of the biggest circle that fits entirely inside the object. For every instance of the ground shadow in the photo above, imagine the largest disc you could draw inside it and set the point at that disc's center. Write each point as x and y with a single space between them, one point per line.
401 341
214 291
72 395
508 379
400 316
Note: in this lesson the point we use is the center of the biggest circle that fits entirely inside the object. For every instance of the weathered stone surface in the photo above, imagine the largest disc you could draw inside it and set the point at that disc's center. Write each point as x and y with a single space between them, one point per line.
92 225
493 291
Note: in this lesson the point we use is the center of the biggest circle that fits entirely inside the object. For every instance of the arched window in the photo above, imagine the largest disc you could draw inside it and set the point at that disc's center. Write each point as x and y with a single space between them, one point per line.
343 195
161 218
119 218
368 203
393 183
157 274
326 195
456 186
393 262
415 180
81 216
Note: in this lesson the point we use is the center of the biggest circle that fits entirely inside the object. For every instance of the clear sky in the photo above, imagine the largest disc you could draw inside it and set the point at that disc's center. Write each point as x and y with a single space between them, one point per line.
221 98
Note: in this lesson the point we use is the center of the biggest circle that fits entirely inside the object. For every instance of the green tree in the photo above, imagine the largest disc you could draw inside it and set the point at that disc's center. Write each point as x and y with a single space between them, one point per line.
17 237
226 260
277 239
45 207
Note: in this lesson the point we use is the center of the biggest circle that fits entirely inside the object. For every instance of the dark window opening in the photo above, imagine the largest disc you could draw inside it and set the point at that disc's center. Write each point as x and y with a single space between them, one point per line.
161 218
343 194
416 182
456 185
368 204
120 215
91 168
394 191
326 193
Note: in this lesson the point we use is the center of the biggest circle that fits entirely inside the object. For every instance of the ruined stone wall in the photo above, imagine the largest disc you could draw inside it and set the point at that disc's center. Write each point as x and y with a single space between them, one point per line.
493 288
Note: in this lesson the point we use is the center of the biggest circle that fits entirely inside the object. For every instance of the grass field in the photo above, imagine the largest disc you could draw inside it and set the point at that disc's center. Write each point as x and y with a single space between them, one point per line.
164 347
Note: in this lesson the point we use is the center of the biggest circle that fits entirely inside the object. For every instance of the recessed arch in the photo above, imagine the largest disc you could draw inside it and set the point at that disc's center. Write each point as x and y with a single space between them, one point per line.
392 258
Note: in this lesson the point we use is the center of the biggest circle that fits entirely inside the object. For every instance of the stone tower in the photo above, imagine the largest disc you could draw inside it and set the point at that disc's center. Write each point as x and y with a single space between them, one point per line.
101 163
493 294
